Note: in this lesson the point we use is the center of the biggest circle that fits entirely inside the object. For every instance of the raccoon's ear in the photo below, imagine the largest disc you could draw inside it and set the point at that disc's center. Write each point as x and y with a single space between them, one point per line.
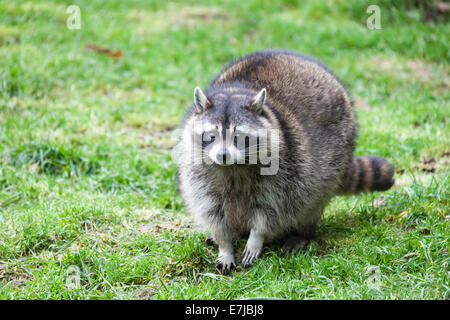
258 101
201 102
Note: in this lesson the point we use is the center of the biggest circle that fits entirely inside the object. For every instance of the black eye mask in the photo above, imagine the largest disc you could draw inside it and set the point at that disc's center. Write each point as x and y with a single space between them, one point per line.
208 137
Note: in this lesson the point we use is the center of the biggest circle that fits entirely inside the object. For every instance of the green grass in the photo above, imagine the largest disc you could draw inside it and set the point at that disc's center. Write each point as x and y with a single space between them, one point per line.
87 182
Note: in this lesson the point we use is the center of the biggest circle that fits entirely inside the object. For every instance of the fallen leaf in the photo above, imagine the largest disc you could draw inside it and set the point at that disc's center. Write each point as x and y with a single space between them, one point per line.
379 202
402 214
359 103
390 218
34 167
427 165
395 217
409 255
115 54
234 42
445 252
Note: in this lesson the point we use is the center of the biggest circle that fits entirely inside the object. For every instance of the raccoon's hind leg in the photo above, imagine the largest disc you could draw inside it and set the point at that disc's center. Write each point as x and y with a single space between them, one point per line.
300 236
294 243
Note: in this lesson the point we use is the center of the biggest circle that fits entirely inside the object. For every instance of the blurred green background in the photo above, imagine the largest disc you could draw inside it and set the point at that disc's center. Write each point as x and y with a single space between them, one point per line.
86 127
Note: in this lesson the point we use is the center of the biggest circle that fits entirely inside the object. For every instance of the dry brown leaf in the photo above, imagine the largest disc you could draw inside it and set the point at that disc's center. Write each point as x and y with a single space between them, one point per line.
395 217
359 103
427 165
114 54
402 214
234 42
390 218
34 167
379 202
409 255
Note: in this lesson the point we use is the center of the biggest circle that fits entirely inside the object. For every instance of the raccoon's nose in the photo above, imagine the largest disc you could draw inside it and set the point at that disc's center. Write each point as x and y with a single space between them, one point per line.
222 156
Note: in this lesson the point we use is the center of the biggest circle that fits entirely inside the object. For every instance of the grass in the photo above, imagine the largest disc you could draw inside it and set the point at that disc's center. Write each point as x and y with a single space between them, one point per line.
88 185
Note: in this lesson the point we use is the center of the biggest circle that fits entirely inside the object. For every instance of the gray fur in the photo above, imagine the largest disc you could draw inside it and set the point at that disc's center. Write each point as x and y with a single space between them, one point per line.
312 110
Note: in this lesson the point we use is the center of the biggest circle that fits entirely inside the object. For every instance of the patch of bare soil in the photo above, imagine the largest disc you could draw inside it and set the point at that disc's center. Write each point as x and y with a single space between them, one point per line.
420 69
160 227
156 222
191 15
427 165
430 74
13 278
432 164
175 16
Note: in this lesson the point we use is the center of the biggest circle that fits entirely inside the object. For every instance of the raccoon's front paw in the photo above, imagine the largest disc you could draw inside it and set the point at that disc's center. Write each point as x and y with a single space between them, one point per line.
249 255
226 264
253 248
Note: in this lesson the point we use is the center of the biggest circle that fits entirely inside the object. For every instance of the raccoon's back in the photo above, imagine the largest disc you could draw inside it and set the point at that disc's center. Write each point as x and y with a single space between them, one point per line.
301 84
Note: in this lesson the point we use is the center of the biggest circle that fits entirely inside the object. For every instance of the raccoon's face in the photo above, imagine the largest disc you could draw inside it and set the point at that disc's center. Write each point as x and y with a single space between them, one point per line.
229 126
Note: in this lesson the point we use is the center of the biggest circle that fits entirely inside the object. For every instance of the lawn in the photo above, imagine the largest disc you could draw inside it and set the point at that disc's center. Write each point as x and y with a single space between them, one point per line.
89 205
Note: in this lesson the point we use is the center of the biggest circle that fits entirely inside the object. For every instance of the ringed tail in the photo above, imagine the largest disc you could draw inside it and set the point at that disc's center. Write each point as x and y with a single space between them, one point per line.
368 173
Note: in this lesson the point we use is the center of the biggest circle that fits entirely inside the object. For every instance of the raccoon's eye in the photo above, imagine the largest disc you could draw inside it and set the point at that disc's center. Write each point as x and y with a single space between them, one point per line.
208 137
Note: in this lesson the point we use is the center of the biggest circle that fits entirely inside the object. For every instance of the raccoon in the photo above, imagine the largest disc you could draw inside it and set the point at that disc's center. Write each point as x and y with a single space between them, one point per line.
309 108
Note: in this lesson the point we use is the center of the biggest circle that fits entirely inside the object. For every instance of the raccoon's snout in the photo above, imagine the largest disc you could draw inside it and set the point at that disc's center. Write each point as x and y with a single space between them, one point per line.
223 157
